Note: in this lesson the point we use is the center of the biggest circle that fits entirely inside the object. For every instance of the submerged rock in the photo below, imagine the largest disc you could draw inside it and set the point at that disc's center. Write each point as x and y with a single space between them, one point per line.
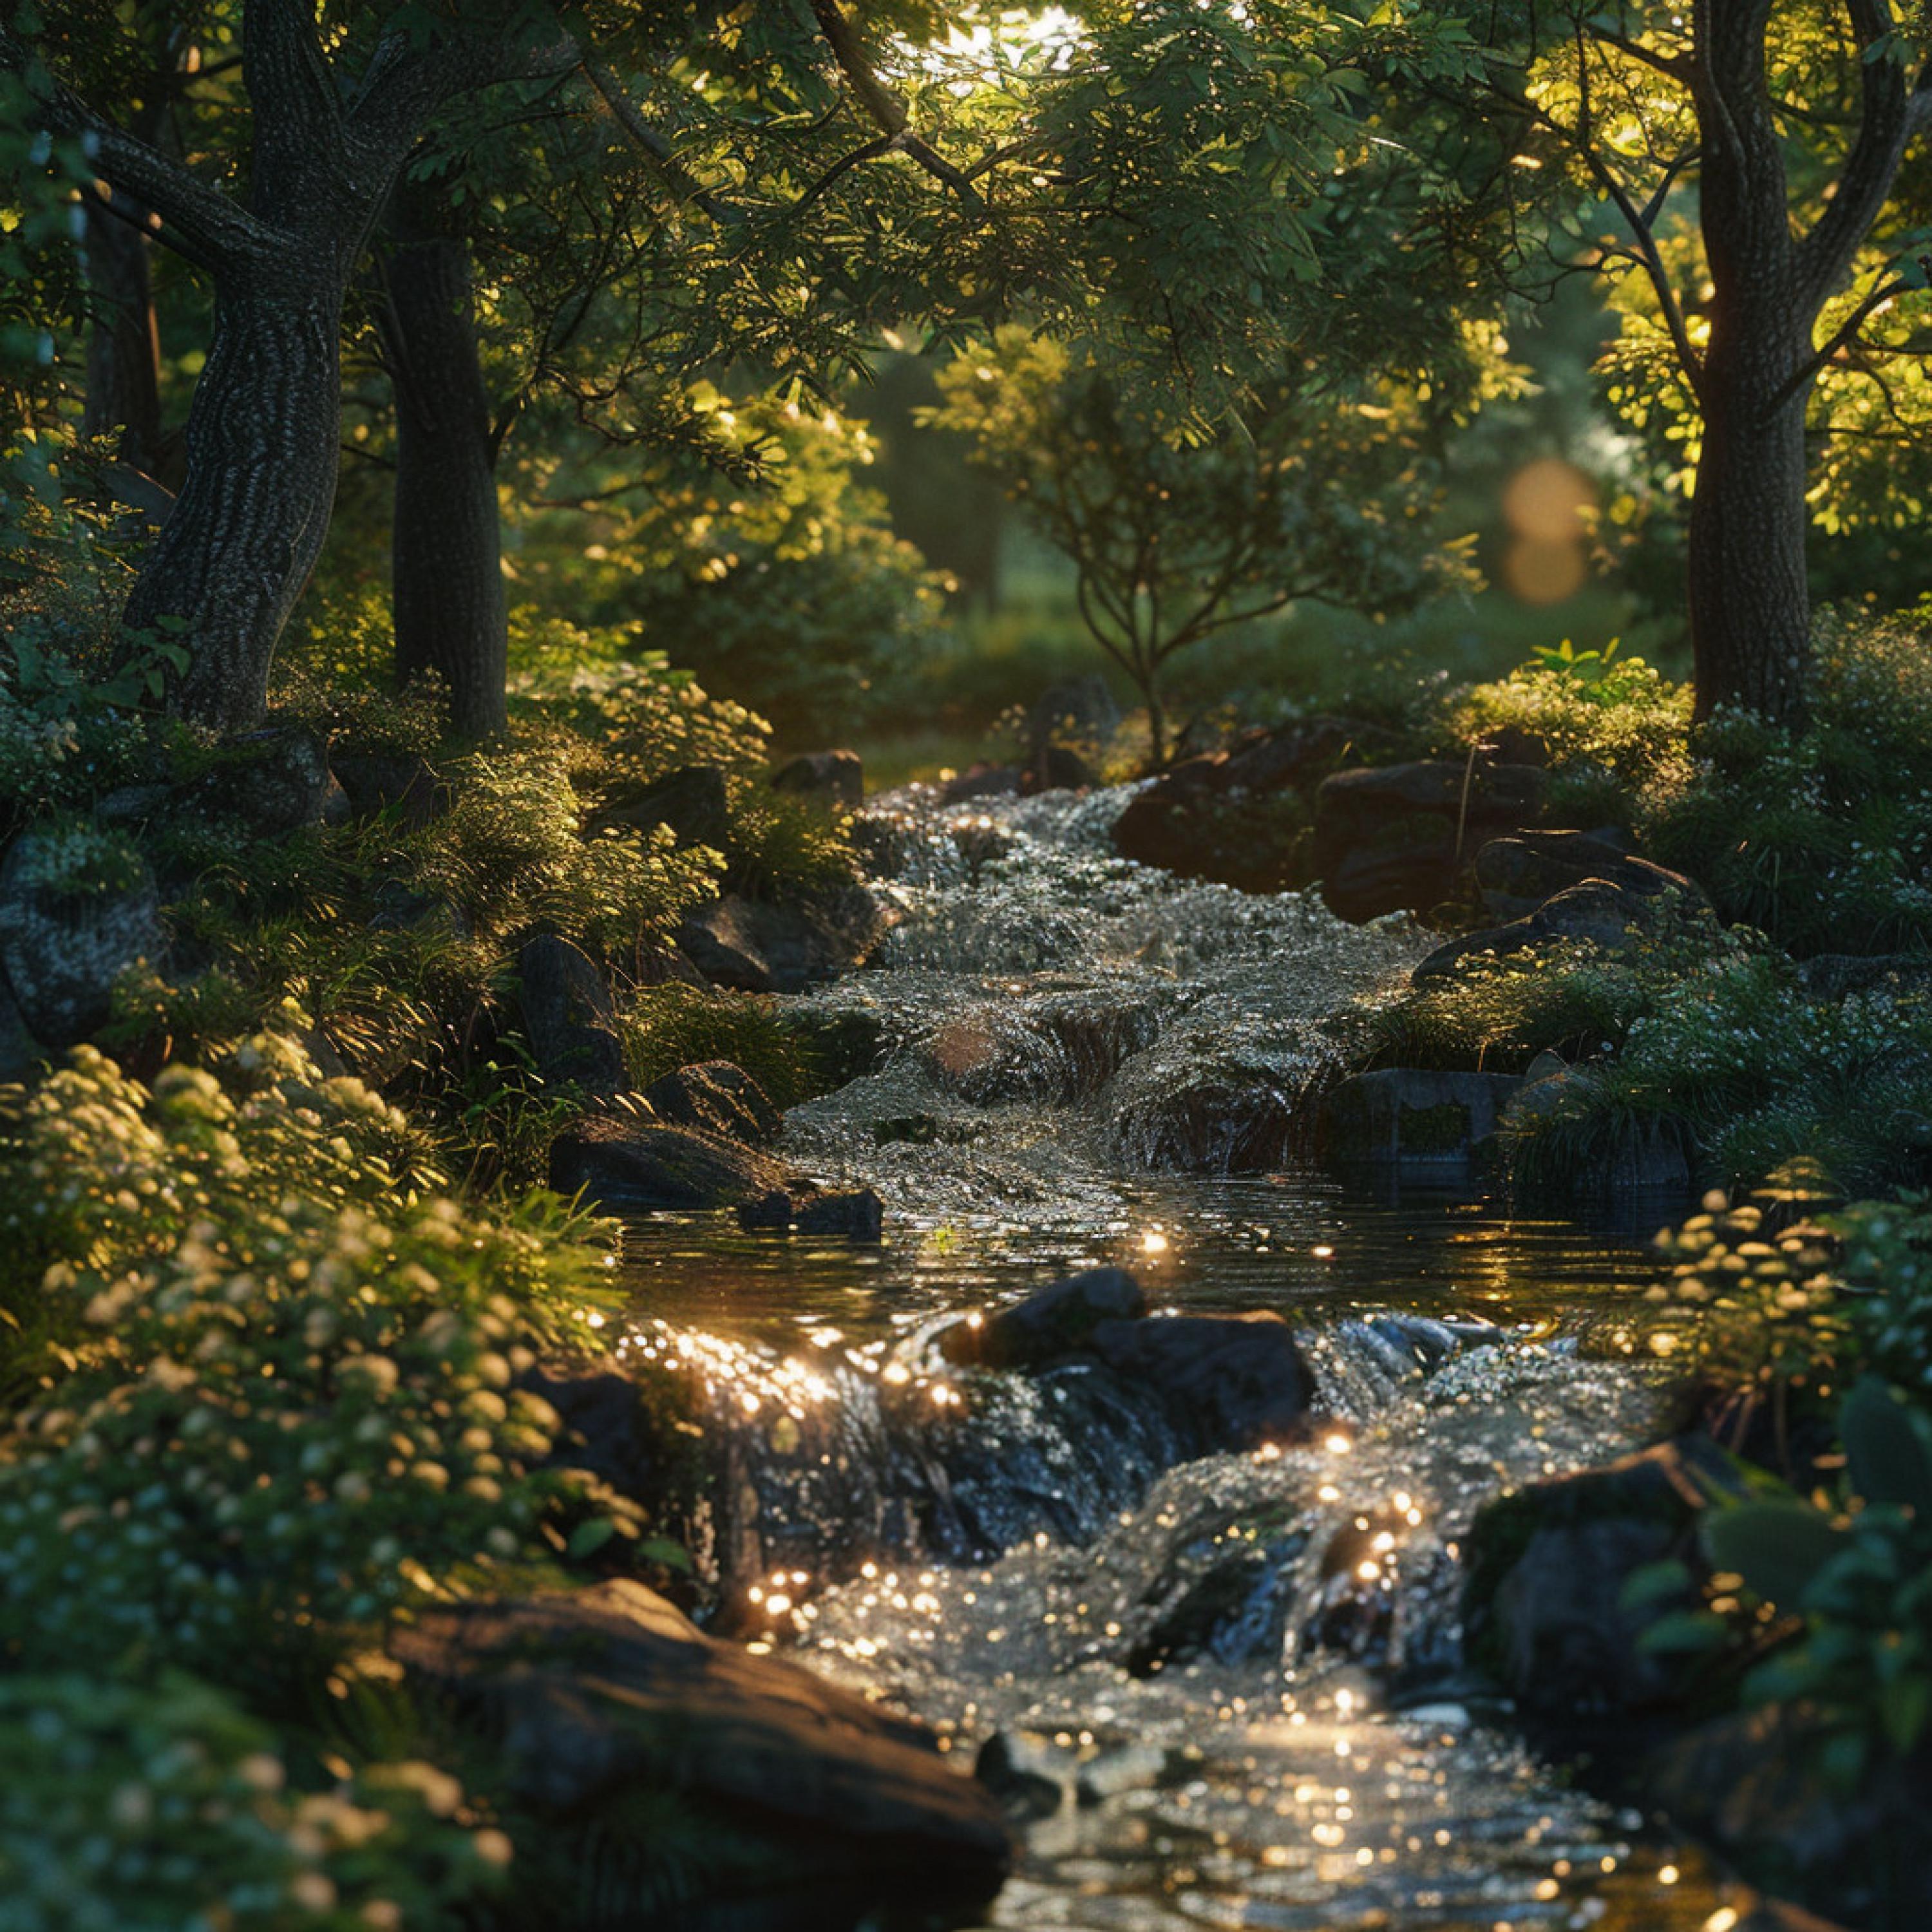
857 1214
597 1701
618 1161
1058 1320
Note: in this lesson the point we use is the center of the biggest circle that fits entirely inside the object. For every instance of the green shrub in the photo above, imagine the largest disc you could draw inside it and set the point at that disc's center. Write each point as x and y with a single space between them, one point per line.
668 1027
125 1808
1611 725
509 851
1822 840
273 1387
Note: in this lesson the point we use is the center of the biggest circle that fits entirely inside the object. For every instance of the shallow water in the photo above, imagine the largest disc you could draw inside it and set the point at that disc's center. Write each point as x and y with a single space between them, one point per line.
1238 1692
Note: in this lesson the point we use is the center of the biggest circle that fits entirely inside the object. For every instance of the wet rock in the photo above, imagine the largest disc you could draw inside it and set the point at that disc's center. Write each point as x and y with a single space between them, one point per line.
1056 1321
622 1163
1218 1596
1407 1116
1612 917
755 946
594 1699
1239 816
981 780
1547 1567
269 783
1225 1381
1517 875
715 1097
607 1425
691 801
400 783
77 908
1393 838
857 1214
832 781
1028 1774
570 1017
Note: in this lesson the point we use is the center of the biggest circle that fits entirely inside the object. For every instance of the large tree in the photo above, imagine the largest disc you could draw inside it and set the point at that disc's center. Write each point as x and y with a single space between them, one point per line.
1761 162
1160 169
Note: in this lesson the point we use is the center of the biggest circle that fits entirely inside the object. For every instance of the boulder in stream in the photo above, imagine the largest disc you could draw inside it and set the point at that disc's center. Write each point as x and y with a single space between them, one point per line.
1058 1320
857 1214
759 946
621 1163
716 1096
603 1705
1542 1604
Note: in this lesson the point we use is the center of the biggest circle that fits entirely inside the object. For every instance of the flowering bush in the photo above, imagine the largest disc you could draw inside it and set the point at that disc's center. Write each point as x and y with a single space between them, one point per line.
274 1392
129 1809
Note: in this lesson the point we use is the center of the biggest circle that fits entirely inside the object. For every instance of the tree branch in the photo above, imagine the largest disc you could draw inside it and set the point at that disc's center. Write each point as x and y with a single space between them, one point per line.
642 135
211 230
1890 113
884 107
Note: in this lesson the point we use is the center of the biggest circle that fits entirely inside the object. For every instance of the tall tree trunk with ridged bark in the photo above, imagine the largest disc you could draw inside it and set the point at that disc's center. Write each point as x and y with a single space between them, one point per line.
263 440
452 615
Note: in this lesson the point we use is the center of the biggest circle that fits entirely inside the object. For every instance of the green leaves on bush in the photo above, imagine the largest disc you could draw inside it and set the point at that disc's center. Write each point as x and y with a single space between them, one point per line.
126 1808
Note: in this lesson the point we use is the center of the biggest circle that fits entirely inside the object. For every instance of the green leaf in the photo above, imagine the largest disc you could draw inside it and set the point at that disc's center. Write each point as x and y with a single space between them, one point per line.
587 1538
1685 1633
1777 1548
1890 1461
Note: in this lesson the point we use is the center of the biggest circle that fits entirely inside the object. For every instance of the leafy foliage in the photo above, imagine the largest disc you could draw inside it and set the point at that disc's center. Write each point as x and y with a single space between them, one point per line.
153 1808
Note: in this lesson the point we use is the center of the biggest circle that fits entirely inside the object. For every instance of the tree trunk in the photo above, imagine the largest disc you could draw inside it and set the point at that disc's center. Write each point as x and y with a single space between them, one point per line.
1751 603
450 613
123 350
262 441
1750 608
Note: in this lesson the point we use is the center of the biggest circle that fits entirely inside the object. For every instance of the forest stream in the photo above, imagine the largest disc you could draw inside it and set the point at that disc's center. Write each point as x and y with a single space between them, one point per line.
1223 1691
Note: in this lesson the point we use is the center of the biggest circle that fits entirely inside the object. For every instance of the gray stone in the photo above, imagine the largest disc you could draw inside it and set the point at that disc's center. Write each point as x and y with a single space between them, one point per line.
1407 1115
1055 1322
1609 916
568 1014
593 1698
621 1163
832 781
1030 1774
1395 838
692 801
1517 875
1542 1604
268 783
755 946
132 805
76 910
715 1097
1226 1382
857 1213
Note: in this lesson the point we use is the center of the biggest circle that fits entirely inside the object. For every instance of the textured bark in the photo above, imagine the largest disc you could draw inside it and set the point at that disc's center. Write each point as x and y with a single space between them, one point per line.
262 438
450 613
1750 602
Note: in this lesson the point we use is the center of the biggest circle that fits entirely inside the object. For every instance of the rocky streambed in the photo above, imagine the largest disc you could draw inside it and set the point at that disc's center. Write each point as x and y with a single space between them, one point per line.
1140 1459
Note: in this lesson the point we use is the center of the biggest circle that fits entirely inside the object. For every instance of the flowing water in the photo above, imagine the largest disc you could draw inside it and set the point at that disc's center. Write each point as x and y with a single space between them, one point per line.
1225 1691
